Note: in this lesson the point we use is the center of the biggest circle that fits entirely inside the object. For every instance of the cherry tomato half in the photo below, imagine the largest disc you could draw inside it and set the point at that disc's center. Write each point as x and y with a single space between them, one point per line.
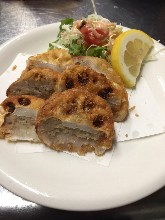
97 36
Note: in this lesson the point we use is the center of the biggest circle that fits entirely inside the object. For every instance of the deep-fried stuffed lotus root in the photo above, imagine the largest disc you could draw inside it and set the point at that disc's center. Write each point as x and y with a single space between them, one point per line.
100 65
79 76
17 118
76 121
56 59
40 82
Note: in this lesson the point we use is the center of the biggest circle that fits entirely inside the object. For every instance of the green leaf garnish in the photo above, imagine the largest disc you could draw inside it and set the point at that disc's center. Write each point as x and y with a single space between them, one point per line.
51 46
76 49
67 21
96 51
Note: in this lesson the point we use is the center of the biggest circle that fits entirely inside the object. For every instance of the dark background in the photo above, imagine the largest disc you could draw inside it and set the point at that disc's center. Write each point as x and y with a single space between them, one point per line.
17 17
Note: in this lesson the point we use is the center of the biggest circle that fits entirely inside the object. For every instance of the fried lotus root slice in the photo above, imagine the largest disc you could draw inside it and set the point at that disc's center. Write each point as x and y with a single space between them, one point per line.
56 59
17 118
99 65
39 82
116 96
76 121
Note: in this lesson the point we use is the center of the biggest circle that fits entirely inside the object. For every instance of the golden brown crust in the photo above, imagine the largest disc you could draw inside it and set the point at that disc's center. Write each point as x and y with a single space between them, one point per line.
68 105
25 101
99 65
10 104
59 58
39 74
40 82
81 108
83 77
81 111
72 149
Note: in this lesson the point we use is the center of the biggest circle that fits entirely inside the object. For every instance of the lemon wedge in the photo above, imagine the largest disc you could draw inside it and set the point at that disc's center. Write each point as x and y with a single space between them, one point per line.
129 50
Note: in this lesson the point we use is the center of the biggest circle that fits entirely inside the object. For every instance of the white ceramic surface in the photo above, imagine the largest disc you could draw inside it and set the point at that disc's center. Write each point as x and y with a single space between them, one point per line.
62 181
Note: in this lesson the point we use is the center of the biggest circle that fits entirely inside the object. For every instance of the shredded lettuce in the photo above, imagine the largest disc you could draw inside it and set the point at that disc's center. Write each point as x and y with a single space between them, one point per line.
96 17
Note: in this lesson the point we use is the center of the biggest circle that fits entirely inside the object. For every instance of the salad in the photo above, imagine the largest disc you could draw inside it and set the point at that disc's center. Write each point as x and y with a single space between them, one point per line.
97 36
90 36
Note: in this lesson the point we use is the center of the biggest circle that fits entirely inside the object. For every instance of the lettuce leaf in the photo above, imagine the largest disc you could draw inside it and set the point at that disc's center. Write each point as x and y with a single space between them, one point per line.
65 21
97 51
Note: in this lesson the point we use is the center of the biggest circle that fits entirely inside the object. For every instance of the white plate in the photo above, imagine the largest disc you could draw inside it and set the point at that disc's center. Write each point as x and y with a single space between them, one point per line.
62 181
